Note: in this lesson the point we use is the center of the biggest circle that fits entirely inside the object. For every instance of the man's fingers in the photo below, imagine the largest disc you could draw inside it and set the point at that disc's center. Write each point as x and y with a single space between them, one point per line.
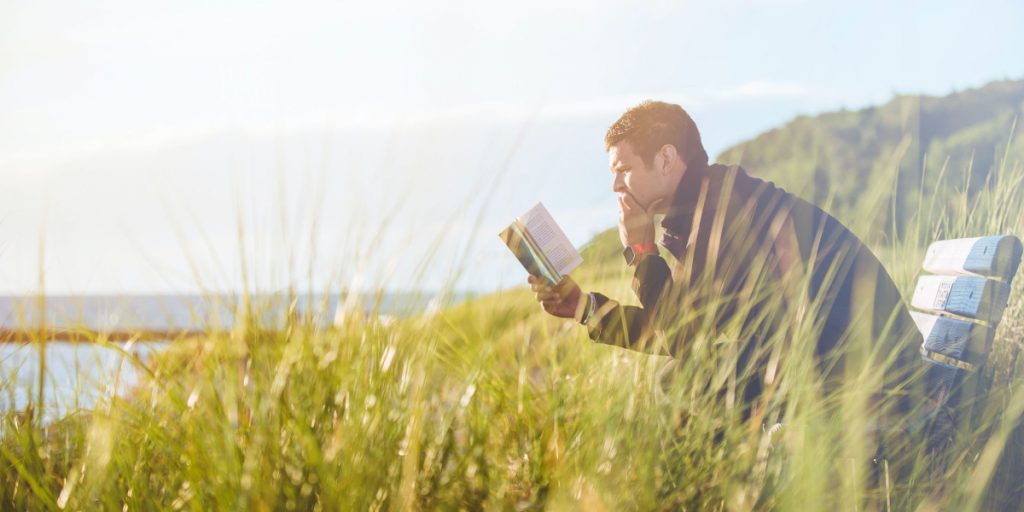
540 287
624 205
630 202
551 306
564 285
551 297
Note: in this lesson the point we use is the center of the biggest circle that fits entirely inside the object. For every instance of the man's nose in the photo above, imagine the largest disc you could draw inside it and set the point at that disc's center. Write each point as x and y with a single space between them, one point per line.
618 184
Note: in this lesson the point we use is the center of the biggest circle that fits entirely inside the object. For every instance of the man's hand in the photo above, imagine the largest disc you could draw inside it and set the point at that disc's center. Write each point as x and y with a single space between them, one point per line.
636 224
562 300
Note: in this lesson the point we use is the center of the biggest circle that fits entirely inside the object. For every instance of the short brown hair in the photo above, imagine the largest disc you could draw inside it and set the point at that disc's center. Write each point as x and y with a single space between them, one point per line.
652 124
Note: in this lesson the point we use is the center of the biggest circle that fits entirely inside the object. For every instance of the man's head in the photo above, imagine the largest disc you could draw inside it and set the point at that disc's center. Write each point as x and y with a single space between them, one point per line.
650 147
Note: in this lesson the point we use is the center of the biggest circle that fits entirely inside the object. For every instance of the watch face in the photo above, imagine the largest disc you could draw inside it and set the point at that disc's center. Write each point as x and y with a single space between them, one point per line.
629 254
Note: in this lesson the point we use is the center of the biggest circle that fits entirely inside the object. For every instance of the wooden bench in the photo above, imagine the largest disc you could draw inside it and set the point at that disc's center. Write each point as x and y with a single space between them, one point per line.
960 305
957 307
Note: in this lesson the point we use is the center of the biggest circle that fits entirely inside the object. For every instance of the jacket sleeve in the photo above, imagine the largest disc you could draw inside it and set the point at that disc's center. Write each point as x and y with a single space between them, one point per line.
632 327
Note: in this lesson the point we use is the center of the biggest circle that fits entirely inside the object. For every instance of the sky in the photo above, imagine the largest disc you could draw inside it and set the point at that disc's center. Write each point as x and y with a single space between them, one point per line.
169 147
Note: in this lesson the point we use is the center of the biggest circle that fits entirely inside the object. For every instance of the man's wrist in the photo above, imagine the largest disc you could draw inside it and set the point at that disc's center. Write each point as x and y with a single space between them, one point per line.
634 253
587 310
645 250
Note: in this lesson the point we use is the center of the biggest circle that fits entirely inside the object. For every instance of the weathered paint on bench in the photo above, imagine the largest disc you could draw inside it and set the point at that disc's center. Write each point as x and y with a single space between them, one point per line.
988 256
970 296
952 342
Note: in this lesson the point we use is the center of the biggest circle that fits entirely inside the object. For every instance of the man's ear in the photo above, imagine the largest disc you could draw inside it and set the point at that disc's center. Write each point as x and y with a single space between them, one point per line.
669 158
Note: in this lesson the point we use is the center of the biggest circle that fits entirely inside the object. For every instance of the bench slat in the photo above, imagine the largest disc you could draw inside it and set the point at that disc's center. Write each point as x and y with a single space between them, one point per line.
970 296
954 339
994 256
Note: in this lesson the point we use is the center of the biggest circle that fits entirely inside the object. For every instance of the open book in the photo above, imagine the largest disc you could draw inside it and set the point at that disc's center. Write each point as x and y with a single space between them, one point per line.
540 245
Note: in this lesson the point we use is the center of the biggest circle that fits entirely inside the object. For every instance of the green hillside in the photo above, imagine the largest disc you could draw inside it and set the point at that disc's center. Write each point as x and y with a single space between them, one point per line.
832 158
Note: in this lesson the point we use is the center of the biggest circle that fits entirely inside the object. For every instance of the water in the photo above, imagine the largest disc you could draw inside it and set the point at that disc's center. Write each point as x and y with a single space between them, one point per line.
78 375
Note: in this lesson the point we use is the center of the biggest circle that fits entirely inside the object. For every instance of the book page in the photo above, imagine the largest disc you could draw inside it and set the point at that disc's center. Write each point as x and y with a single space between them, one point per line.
551 239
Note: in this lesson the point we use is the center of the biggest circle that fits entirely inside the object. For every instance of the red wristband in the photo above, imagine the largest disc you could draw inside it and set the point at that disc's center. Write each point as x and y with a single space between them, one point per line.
644 249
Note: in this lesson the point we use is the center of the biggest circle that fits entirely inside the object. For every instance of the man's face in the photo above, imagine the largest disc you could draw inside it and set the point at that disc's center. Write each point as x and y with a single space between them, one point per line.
647 184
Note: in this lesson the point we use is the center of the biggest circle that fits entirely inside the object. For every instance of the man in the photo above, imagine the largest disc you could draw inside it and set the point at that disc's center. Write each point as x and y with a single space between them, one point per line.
749 261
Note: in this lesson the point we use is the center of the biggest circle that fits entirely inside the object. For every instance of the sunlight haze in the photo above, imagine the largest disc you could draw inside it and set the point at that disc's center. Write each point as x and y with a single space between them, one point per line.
133 136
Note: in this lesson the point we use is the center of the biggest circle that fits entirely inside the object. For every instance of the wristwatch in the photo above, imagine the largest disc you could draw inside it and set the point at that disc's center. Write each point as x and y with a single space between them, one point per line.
633 253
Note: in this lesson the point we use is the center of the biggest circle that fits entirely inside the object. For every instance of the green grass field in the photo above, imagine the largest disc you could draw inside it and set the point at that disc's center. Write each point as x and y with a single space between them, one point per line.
493 405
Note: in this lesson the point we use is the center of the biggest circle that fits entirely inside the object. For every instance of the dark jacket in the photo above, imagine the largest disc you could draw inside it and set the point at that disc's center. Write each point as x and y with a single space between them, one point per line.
739 272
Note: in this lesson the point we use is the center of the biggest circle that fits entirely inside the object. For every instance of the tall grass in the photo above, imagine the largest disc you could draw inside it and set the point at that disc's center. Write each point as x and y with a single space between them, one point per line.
490 404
